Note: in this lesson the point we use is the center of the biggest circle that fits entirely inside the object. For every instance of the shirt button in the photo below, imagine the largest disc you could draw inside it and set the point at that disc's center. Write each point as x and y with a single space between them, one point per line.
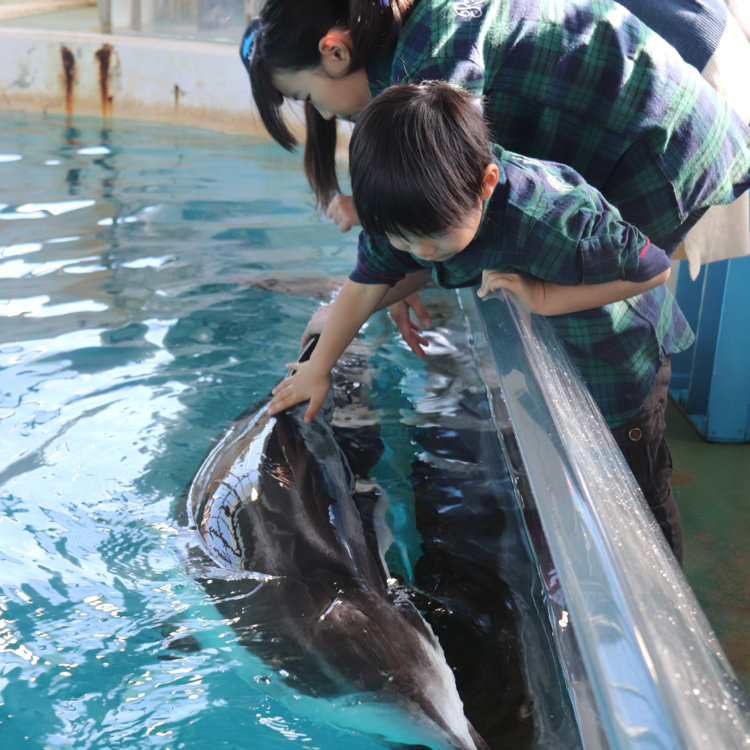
635 434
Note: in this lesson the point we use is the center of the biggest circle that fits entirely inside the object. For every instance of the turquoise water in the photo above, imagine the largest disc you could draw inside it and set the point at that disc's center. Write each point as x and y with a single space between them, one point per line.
131 332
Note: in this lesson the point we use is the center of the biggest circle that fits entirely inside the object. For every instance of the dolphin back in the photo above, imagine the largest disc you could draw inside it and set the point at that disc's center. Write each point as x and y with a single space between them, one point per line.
289 561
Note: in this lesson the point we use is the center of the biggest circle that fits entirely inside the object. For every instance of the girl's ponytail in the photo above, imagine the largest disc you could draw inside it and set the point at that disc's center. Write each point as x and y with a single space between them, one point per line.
374 26
320 155
287 39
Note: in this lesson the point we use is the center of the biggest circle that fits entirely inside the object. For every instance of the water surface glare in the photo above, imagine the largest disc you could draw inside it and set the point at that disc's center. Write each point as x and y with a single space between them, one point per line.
130 334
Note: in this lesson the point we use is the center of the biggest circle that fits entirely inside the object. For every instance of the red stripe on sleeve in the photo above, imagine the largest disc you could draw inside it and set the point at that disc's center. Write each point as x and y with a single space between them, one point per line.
379 275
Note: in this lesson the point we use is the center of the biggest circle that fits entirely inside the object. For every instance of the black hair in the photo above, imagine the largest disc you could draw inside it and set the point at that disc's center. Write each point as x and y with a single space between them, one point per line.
286 38
417 159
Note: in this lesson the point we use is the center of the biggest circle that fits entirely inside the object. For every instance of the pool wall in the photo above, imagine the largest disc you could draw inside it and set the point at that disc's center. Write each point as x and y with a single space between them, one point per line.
192 83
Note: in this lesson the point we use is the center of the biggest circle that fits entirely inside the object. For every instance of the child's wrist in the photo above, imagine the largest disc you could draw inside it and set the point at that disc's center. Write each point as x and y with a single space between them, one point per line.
318 370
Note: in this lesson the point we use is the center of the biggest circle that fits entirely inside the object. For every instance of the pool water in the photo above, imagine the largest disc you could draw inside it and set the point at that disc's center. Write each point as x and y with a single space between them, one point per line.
133 328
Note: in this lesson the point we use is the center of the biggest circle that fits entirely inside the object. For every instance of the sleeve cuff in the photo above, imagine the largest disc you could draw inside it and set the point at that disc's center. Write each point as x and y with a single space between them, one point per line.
363 275
652 261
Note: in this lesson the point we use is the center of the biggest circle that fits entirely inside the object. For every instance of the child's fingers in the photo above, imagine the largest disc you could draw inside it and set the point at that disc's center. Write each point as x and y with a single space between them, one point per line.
484 287
317 397
492 281
341 211
283 400
416 343
409 328
276 404
292 367
284 395
415 302
311 411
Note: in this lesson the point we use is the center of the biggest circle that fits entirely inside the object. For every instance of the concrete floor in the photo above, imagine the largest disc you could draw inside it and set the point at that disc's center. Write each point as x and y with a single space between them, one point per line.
711 483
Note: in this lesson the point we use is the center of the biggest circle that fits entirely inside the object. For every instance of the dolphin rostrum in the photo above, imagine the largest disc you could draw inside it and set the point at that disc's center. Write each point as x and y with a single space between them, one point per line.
290 561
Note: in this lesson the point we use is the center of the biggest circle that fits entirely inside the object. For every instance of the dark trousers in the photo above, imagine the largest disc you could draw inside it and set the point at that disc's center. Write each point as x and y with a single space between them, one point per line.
641 440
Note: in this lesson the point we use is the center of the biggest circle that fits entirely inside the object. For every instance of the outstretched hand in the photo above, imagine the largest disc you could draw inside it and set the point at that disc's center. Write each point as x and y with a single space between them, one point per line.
305 384
400 313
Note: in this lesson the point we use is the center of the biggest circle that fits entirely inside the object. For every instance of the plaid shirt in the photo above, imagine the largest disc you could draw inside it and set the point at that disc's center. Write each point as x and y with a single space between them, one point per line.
692 27
585 83
543 220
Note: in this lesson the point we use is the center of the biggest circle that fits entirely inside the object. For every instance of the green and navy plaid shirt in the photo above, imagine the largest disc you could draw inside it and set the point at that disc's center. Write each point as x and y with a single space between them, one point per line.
544 220
585 83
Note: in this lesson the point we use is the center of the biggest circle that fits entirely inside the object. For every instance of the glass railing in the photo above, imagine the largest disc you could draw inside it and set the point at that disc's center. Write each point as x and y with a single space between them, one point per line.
644 668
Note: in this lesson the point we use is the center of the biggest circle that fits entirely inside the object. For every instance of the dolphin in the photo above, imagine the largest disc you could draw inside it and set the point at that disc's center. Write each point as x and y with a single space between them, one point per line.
283 532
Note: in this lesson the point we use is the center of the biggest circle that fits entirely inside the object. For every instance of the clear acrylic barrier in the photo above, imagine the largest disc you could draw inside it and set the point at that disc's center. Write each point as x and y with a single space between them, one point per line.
652 673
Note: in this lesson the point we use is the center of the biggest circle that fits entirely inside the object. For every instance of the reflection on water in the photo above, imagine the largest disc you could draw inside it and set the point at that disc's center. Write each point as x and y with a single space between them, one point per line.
131 333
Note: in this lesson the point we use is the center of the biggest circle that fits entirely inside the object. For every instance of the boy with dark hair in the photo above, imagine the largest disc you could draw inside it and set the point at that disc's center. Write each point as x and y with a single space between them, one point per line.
452 207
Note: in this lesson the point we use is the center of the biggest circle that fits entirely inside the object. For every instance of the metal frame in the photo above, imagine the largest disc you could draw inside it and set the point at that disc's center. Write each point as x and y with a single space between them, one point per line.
711 381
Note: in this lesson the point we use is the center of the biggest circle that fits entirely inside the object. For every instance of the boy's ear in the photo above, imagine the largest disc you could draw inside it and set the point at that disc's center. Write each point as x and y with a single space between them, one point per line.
491 176
335 51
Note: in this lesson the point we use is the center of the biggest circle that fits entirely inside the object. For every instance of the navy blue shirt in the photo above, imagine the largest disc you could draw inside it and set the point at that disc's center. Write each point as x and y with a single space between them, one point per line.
692 27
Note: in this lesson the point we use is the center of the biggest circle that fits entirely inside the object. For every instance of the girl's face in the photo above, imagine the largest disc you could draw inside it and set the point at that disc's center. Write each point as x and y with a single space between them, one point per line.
341 97
440 247
330 88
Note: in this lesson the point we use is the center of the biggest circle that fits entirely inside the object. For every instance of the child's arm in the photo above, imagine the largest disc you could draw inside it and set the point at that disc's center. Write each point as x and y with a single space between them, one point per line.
397 293
411 283
310 381
547 298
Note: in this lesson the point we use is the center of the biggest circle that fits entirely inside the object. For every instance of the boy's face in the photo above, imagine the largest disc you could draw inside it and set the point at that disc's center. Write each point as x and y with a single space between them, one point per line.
440 247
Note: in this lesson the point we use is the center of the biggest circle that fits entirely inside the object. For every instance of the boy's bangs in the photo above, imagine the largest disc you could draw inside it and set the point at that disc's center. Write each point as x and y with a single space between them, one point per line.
401 212
416 159
399 202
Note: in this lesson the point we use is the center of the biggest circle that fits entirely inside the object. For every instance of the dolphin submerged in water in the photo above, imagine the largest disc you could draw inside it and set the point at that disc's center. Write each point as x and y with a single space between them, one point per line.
290 559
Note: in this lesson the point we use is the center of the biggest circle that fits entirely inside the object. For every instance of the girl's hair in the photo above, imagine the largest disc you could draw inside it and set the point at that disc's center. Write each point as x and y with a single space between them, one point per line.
417 158
286 37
